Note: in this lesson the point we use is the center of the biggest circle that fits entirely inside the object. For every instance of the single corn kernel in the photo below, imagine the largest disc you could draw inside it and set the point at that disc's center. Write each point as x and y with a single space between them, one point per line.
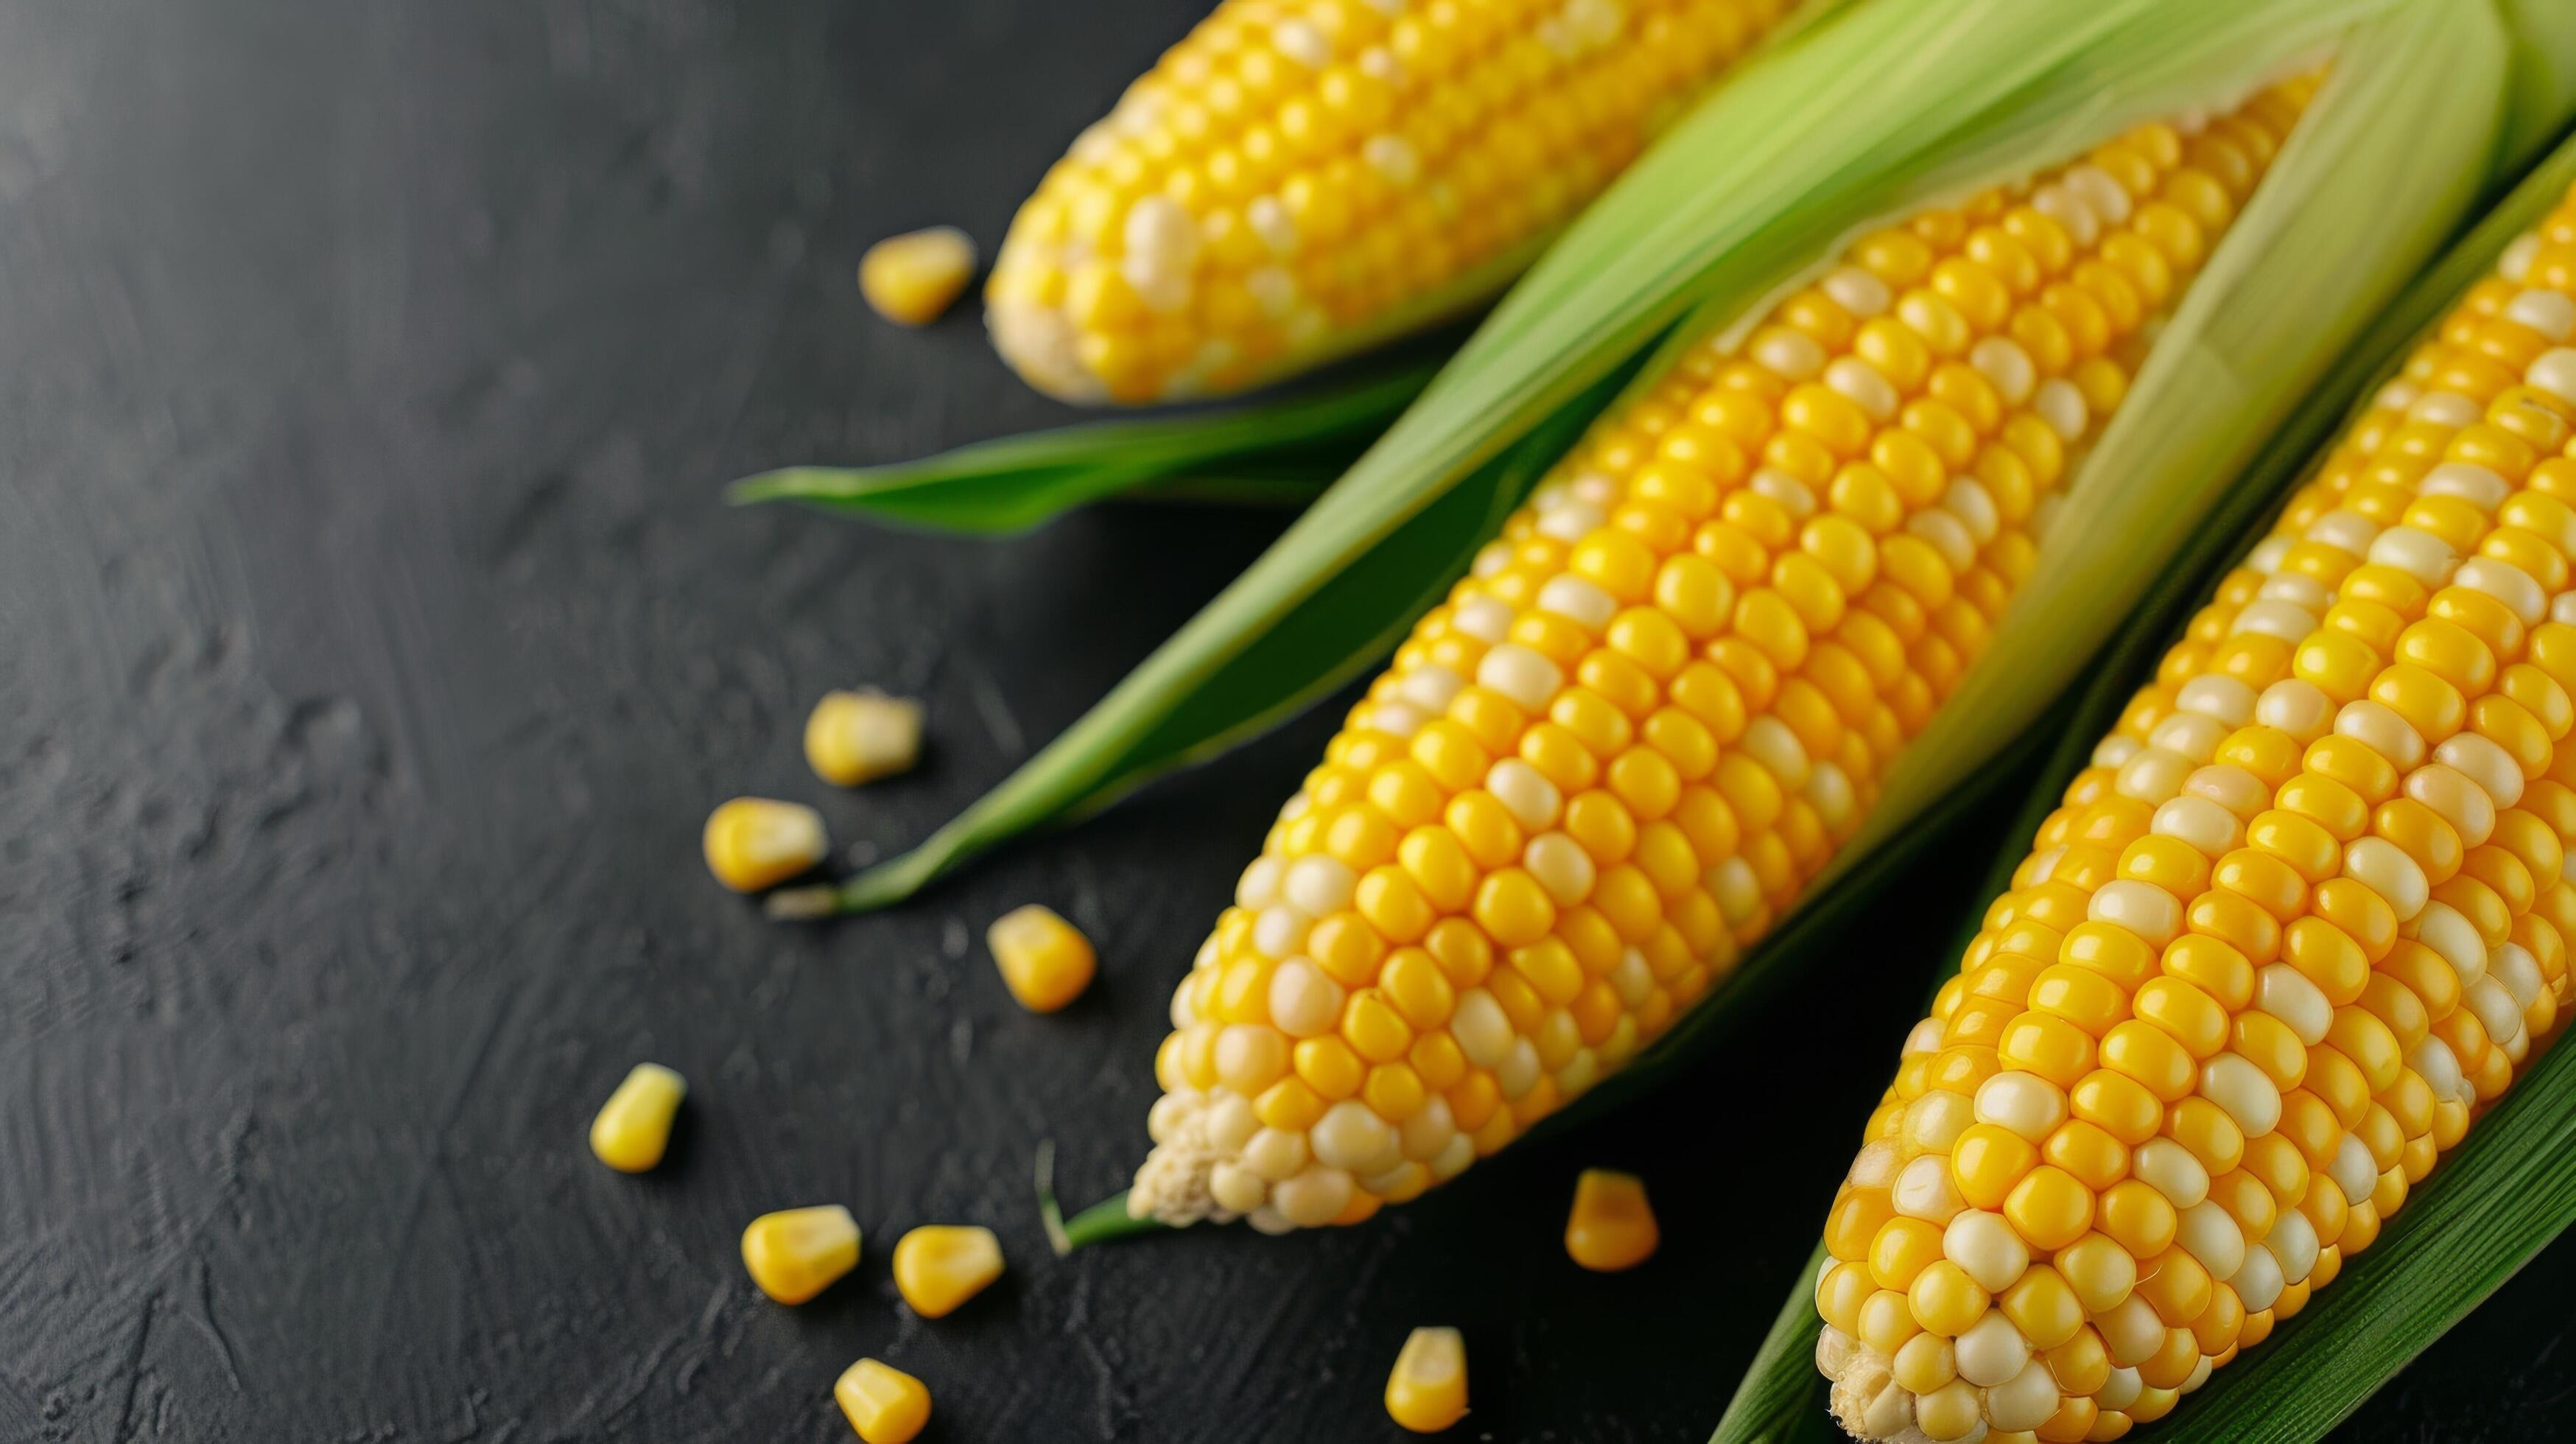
1046 962
797 1253
913 278
1611 1227
754 843
939 1266
885 1404
1428 1390
634 1125
856 737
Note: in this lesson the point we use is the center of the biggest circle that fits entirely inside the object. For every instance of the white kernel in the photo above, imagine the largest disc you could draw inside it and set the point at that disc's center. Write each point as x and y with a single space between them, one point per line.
2345 531
1992 1351
2484 763
2547 312
1793 495
1857 291
2296 706
1737 890
2027 1399
2170 1169
1300 41
2023 1103
2230 786
2225 699
1320 886
2153 774
2455 799
2305 593
1483 1031
1311 1199
1985 1247
2106 197
2275 619
1269 220
1769 741
1279 931
2142 908
2515 264
2353 1170
2267 554
1579 601
2397 395
2192 734
2208 1233
1632 979
2554 372
1393 157
2294 1245
2445 408
2513 965
1520 674
1525 792
2420 554
1304 1000
1425 1133
1561 866
1430 687
1395 719
2209 829
1924 1190
1947 536
2469 482
1352 1137
1259 886
1486 619
1969 501
2115 750
2060 204
1790 355
1570 522
2236 1085
1829 791
2285 993
2380 728
1866 388
2507 583
2386 869
2062 407
2440 927
2433 1060
1518 1073
2003 362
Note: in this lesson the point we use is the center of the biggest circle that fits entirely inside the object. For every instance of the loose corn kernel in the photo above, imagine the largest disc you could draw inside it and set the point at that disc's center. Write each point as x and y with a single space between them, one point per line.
1611 1227
884 1404
1639 729
797 1253
2340 872
1046 962
753 843
939 1266
855 737
634 1125
913 278
1427 1392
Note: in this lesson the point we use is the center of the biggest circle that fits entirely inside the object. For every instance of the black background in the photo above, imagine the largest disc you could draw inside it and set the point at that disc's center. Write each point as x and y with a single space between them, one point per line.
372 645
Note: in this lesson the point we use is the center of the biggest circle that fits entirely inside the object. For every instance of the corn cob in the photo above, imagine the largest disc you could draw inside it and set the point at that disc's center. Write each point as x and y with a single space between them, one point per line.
1297 178
2303 918
1665 695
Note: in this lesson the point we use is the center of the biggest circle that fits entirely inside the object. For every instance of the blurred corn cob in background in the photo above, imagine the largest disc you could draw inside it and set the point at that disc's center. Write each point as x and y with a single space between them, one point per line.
1668 692
1297 179
2300 924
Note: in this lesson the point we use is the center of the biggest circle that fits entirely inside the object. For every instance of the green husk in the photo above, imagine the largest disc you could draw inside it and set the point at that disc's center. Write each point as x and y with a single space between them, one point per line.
1276 449
2507 1190
1885 107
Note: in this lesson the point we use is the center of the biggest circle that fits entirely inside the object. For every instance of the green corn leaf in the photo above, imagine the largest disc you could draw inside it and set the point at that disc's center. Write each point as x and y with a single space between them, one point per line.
1886 106
1270 450
2507 1190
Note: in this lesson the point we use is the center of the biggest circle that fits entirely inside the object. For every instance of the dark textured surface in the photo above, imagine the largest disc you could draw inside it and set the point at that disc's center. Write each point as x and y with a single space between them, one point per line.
371 647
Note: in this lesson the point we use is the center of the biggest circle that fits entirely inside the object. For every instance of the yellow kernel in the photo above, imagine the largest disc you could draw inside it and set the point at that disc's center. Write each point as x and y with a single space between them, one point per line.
884 1404
912 278
753 843
1046 962
1427 1391
1611 1227
940 1266
797 1253
855 737
634 1125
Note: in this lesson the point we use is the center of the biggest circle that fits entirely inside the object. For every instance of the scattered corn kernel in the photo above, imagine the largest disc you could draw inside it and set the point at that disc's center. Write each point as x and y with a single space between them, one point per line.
1046 962
797 1253
634 1125
1611 1227
1428 1390
754 843
885 1404
856 737
940 1266
913 278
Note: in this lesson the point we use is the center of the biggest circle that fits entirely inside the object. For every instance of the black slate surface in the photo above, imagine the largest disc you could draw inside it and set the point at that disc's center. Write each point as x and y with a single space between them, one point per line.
372 644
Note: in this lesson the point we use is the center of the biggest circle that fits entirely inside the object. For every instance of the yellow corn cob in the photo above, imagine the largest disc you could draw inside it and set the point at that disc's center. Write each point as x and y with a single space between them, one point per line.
2301 920
1299 177
1666 694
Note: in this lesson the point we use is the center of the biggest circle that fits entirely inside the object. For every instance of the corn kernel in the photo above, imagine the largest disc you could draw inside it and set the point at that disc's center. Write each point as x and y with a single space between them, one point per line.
634 1125
753 843
884 1404
856 737
1046 962
1427 1391
940 1266
913 278
1611 1226
797 1253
